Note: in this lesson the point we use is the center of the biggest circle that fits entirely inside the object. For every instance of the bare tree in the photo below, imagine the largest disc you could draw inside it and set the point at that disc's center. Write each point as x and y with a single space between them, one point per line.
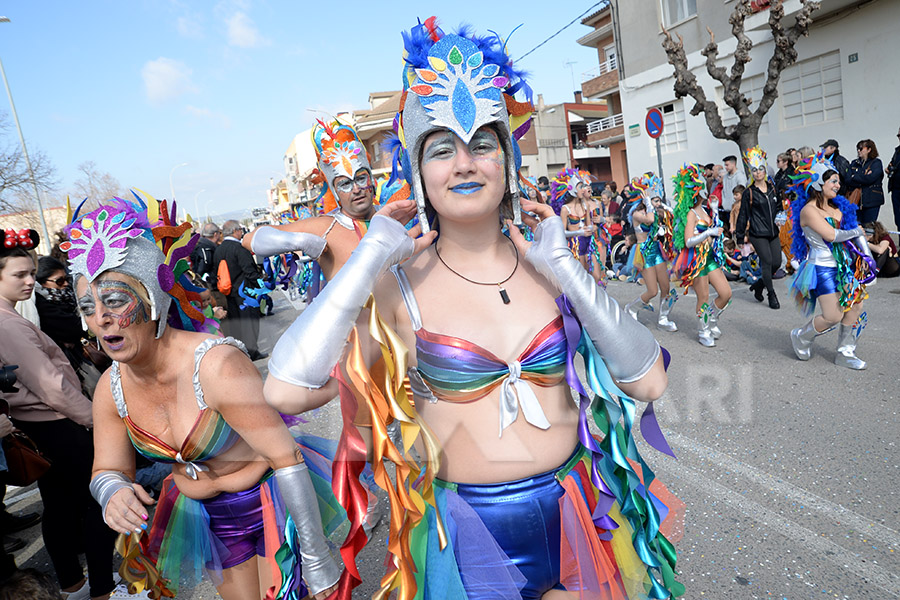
16 189
746 132
95 185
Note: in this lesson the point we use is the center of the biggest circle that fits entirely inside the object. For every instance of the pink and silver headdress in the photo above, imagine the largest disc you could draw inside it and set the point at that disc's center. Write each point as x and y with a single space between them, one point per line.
458 82
139 239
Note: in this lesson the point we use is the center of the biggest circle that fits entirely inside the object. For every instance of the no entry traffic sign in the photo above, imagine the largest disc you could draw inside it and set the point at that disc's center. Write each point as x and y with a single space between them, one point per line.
654 123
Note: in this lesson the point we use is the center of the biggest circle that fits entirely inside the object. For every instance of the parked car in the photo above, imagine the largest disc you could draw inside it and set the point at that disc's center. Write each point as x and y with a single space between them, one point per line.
597 188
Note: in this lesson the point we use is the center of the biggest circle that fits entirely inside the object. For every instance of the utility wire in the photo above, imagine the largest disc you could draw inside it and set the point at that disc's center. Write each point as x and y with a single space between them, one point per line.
564 28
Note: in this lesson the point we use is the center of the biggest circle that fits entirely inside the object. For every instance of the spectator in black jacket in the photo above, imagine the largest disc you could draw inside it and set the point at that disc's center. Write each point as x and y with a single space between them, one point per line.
202 256
783 176
240 268
893 172
756 224
866 173
841 164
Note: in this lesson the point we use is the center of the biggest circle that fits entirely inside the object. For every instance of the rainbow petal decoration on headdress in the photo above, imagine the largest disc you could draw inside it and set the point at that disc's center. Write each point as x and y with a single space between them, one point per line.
689 184
755 158
809 173
565 184
339 152
458 82
142 240
648 181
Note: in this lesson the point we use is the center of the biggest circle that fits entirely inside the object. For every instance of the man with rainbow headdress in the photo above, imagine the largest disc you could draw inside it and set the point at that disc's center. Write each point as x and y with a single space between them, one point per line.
498 487
836 262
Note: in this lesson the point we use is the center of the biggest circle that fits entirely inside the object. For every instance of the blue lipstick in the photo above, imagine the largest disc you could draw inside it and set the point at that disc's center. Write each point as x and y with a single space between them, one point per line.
466 188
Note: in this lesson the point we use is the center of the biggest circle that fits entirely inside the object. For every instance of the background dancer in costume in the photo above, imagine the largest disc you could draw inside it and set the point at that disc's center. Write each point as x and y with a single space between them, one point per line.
235 467
653 225
701 258
330 239
756 223
504 467
347 196
571 198
829 244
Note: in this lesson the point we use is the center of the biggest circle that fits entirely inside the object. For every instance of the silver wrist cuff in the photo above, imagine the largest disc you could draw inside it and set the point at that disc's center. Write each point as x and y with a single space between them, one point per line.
268 241
696 240
845 235
307 352
320 570
627 347
105 484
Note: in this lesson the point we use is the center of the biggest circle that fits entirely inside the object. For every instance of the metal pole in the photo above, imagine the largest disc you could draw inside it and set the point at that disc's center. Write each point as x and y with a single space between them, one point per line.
46 237
661 176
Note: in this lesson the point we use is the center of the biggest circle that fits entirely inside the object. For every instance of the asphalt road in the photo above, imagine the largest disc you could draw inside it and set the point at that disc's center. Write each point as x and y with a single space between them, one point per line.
789 470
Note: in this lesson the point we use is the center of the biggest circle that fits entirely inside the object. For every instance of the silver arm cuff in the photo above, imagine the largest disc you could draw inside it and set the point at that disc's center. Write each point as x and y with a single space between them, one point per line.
574 233
320 570
307 352
105 484
627 347
696 240
845 235
268 241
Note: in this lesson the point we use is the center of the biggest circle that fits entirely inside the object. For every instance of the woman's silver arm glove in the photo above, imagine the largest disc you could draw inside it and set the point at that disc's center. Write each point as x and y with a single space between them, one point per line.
320 570
268 241
573 233
307 352
627 347
845 235
104 485
691 242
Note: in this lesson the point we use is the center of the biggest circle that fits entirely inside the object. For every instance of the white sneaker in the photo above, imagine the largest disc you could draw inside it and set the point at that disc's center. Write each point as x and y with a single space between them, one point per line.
121 593
82 593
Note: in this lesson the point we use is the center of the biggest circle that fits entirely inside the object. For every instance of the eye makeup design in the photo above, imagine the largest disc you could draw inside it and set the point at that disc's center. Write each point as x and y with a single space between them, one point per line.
121 302
484 146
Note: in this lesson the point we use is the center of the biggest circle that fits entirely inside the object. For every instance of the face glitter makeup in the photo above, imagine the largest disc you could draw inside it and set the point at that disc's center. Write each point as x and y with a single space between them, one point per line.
122 302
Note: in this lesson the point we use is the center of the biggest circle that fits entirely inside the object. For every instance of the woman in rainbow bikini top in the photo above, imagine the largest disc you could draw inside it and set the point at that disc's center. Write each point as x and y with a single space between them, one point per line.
179 395
460 351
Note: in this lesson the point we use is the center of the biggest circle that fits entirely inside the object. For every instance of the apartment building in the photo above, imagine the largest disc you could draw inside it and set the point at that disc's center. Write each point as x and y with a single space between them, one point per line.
842 85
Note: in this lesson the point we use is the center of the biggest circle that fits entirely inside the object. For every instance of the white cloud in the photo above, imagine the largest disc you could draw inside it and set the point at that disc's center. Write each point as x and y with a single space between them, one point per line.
219 119
190 27
242 32
166 79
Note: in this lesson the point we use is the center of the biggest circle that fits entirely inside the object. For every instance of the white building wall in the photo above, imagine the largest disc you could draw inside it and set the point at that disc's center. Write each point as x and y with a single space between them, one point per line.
870 89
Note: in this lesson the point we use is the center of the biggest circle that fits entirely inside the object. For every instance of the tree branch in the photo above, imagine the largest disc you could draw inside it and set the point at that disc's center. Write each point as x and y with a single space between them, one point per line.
686 85
785 53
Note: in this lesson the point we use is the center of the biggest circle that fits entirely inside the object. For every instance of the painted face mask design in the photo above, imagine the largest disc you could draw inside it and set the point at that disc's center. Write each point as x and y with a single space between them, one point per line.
122 302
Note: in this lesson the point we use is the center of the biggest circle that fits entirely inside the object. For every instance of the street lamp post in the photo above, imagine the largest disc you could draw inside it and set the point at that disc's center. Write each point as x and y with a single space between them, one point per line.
171 184
206 209
37 194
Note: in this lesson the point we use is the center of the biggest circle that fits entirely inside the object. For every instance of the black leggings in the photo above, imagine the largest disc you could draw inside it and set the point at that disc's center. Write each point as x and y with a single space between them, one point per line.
769 252
72 521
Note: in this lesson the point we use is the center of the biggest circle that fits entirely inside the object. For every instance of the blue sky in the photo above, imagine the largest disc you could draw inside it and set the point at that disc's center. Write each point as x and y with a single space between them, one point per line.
139 86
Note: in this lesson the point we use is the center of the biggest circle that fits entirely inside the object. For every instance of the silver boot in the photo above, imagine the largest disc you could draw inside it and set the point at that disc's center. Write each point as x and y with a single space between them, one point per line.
846 350
665 307
704 335
802 339
636 305
714 319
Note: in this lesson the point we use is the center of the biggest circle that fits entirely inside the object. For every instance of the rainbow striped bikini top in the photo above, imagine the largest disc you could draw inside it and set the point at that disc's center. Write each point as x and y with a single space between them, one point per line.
210 435
456 370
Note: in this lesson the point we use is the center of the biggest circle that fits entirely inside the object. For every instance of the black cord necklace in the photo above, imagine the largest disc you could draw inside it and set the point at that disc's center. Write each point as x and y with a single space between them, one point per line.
503 295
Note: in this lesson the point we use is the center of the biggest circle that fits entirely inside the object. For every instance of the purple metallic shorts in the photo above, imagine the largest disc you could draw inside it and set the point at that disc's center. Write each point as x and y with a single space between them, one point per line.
236 519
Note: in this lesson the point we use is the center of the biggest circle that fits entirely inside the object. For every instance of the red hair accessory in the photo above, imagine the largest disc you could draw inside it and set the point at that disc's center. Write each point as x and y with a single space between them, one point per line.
24 238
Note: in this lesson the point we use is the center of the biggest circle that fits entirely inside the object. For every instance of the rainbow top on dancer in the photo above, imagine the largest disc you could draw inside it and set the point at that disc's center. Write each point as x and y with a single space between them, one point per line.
140 239
458 82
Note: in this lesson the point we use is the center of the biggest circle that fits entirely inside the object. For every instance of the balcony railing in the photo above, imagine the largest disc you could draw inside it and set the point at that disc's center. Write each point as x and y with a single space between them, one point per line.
603 68
605 123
